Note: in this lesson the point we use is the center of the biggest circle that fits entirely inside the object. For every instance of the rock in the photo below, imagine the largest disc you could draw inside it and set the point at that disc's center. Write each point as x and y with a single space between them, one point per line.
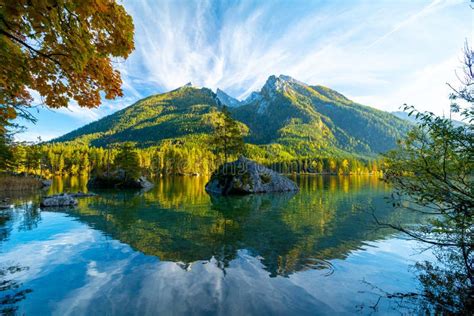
244 176
81 194
5 204
144 183
46 182
238 205
118 180
59 200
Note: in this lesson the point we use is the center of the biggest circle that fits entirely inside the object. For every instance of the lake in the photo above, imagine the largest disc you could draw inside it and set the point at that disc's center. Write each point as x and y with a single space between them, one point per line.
175 250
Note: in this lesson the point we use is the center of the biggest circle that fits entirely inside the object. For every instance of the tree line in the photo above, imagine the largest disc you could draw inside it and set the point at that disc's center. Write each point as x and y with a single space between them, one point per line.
171 158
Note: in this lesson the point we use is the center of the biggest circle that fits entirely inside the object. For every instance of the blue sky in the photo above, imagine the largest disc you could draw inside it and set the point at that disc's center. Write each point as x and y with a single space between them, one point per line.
378 53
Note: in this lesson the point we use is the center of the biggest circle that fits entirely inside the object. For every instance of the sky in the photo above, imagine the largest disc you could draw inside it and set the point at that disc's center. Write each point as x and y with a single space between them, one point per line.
378 53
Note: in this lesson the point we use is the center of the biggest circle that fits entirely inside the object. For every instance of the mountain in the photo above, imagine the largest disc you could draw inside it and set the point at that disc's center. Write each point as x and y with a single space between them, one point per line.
175 114
285 115
227 100
316 118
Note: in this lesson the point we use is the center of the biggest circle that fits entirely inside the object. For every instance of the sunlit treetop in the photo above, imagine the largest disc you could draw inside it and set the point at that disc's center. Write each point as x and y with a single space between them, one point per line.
63 50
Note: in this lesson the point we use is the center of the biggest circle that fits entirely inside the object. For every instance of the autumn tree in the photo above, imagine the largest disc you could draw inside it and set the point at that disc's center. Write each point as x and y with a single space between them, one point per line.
228 134
63 50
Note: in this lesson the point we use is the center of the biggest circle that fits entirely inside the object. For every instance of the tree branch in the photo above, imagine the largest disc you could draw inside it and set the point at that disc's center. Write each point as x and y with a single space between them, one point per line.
31 48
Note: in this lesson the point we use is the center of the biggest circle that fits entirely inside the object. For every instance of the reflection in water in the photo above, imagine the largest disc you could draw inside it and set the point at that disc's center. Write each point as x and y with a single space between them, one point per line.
175 248
68 184
11 290
178 221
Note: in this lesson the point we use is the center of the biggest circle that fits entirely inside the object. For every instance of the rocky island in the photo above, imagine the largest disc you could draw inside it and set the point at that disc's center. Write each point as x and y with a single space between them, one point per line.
245 176
119 180
59 200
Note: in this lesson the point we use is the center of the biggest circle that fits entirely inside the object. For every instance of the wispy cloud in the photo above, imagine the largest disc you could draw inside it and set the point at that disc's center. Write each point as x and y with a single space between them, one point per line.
236 46
430 8
425 88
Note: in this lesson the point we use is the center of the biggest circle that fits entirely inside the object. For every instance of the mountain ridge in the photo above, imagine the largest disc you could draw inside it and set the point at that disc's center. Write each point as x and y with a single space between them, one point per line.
286 113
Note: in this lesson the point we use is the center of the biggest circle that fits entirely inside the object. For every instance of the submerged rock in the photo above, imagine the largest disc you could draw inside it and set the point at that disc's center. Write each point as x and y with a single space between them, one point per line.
144 183
5 204
245 176
46 183
59 200
82 194
118 180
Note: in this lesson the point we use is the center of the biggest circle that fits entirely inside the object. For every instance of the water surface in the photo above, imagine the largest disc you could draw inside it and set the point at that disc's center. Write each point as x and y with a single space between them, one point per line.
176 250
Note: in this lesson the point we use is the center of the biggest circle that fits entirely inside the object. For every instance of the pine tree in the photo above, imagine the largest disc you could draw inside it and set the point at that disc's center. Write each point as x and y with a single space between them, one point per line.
128 160
228 137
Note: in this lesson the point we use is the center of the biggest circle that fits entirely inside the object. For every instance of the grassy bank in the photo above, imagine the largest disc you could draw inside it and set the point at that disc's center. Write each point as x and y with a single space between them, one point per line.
19 183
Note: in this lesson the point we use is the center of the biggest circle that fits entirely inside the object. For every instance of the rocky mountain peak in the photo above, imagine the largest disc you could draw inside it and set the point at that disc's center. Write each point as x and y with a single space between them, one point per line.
286 78
273 86
226 99
278 84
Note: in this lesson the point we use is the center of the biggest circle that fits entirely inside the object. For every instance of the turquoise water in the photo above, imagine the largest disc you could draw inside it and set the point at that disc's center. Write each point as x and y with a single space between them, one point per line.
175 250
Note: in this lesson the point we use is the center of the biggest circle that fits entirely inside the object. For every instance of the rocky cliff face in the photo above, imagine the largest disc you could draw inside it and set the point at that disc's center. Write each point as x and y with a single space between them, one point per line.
244 176
227 100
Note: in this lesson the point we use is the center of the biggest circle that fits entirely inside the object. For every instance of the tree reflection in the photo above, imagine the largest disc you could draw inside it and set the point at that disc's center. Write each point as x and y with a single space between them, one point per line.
31 216
177 221
11 291
253 222
446 288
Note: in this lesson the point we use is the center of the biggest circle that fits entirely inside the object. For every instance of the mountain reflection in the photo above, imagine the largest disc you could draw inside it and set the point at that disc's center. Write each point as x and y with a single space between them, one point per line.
177 221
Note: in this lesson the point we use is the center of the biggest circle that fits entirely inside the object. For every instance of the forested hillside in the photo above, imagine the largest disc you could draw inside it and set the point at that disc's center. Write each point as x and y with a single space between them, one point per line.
170 115
308 119
286 118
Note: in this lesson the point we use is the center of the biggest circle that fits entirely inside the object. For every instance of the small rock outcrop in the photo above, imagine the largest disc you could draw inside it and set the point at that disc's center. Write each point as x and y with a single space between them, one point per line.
46 183
5 204
118 180
82 194
59 200
144 183
245 176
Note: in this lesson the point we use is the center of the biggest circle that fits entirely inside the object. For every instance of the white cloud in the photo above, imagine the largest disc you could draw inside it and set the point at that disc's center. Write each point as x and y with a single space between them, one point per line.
30 136
43 255
236 47
426 89
86 115
430 8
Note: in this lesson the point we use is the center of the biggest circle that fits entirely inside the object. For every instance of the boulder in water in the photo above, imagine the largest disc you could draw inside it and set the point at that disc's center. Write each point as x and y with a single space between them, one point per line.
80 194
118 180
144 183
46 183
245 176
4 204
59 200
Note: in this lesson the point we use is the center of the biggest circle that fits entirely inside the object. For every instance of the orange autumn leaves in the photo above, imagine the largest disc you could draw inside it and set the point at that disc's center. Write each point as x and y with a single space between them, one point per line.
62 49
